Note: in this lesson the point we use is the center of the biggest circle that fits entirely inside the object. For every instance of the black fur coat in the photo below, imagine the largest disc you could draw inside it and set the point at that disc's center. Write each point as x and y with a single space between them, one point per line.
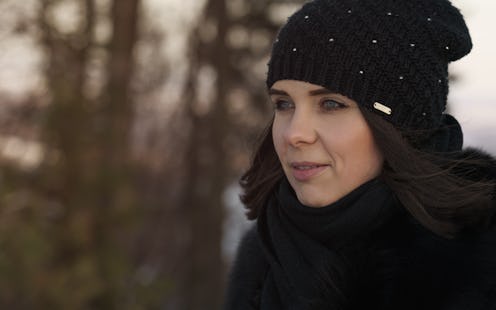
416 270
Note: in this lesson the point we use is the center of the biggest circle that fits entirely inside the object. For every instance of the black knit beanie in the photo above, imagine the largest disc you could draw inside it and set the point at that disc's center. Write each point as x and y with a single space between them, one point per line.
390 56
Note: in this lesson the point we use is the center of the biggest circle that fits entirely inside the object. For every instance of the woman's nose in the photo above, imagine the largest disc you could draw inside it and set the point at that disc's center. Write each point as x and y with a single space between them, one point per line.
300 130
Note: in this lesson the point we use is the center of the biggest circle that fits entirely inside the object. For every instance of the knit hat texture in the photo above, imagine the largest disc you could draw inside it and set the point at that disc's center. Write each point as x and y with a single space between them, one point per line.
390 56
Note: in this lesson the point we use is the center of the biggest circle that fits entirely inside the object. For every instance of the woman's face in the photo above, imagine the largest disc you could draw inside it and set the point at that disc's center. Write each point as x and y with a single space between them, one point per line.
324 144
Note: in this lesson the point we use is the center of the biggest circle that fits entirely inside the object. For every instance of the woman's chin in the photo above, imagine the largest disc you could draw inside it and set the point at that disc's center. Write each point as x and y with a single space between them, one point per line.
315 201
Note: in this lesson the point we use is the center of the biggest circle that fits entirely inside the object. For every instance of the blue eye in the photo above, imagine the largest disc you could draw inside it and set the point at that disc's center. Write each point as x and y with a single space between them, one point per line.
331 105
283 105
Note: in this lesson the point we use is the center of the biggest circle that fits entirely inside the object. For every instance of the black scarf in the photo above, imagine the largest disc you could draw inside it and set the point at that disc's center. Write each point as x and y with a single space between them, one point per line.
316 255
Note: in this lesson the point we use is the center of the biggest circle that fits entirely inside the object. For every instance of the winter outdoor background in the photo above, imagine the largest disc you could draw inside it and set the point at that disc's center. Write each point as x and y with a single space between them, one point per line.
124 127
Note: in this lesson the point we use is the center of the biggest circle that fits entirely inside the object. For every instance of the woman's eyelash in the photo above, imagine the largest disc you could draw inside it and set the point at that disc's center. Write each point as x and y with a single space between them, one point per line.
327 105
331 104
282 105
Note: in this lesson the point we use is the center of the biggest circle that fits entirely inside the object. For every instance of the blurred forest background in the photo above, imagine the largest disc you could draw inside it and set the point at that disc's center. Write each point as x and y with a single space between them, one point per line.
123 132
115 156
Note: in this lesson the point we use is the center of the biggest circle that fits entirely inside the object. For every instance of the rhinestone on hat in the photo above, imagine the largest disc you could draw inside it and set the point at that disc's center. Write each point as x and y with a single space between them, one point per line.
361 72
306 16
374 41
424 114
389 13
331 40
412 44
401 77
447 47
294 49
349 11
429 19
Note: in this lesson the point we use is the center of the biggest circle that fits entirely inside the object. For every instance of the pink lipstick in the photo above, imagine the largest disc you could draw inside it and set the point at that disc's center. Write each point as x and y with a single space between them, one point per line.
304 171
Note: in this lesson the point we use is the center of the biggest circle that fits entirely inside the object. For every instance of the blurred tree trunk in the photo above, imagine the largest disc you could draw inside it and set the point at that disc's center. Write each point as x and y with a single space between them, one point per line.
207 169
116 192
119 103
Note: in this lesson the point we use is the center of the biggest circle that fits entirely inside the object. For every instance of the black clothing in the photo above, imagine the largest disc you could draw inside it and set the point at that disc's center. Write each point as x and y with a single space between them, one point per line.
305 246
362 252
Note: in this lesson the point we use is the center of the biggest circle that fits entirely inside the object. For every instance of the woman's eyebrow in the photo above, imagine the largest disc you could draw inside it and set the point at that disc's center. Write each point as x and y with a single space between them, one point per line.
274 91
320 91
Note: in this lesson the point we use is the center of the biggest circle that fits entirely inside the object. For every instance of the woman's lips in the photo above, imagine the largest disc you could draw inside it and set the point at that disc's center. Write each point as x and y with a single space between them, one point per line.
304 171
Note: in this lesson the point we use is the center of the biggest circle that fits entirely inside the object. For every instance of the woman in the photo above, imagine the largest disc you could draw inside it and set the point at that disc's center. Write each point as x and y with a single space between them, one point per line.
363 196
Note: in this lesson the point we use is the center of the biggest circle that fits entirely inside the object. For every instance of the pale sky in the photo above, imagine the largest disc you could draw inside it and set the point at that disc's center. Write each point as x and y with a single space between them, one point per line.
479 66
473 99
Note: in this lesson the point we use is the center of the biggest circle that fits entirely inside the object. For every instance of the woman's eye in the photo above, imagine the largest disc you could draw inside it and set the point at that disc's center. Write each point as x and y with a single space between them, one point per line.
331 105
282 105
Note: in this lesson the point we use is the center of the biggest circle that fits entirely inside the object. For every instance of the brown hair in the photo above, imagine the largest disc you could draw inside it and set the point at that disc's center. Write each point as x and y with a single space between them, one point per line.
434 188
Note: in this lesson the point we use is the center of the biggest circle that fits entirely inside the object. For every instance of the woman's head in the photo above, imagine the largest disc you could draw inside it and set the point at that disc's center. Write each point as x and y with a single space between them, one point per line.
387 62
323 143
389 56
